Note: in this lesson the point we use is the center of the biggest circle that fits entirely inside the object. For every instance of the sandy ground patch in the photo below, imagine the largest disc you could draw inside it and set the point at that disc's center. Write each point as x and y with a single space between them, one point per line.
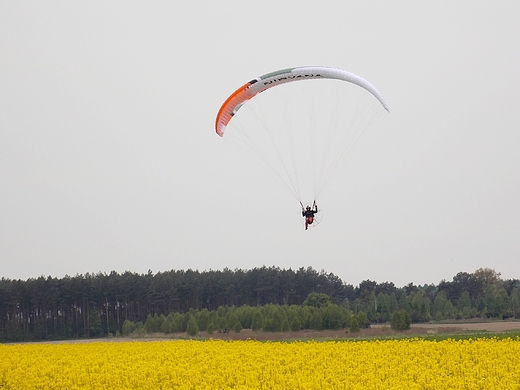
373 331
498 326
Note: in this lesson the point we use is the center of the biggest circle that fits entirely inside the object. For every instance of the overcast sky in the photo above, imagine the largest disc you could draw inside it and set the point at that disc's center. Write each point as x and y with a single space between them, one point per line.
109 159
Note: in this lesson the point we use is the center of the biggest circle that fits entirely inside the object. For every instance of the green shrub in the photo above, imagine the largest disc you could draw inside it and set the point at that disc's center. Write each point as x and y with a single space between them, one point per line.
296 324
128 327
400 320
192 329
354 325
211 328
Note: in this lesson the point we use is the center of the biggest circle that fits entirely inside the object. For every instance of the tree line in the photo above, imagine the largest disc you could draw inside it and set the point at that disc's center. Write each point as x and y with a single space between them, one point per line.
93 305
317 312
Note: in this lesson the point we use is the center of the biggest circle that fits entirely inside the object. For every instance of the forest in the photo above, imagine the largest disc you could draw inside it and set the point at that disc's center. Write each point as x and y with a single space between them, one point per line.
266 298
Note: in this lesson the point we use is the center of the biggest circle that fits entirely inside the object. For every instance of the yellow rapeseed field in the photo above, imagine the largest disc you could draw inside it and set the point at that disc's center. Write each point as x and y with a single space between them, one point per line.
380 364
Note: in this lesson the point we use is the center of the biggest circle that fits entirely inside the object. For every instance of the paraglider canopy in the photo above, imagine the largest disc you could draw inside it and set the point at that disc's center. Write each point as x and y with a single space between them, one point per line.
269 80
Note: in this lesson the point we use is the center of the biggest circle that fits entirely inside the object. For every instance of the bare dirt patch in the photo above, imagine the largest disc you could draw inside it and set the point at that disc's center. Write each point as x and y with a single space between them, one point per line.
496 326
374 331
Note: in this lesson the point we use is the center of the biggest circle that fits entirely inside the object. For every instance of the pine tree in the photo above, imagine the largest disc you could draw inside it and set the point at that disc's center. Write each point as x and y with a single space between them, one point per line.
192 329
354 325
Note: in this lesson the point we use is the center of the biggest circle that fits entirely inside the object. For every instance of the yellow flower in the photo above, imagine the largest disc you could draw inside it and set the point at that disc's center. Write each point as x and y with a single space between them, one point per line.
380 364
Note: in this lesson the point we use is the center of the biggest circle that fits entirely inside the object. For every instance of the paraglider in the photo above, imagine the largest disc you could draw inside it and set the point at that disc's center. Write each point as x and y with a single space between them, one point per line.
308 213
303 132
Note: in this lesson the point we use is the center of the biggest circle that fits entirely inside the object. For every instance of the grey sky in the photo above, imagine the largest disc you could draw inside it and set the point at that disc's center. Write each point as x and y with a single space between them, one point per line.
109 160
